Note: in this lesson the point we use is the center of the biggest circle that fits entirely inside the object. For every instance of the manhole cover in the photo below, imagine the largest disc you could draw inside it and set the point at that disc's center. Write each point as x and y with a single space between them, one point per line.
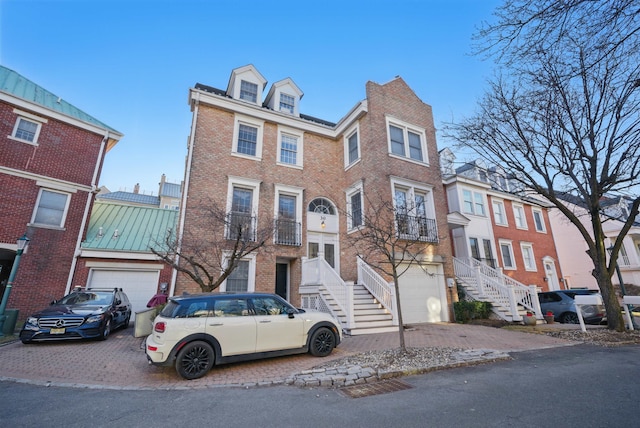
368 389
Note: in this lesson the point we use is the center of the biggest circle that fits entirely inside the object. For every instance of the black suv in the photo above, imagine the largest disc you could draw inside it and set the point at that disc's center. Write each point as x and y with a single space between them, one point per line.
83 314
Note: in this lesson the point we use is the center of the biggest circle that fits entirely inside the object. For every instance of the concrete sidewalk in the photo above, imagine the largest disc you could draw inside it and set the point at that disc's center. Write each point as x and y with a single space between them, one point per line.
120 361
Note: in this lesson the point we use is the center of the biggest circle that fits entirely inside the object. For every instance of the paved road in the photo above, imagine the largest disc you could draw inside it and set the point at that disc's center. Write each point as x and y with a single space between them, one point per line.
575 386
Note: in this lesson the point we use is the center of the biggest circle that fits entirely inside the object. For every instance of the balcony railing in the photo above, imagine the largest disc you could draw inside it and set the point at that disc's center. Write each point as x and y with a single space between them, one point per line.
241 226
288 232
417 228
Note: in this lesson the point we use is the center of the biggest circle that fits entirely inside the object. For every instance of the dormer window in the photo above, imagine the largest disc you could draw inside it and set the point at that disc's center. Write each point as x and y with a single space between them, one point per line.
284 96
287 103
248 91
246 84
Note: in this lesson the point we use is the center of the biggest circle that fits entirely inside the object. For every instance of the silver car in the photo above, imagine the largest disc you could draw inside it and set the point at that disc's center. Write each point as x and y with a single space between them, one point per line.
562 304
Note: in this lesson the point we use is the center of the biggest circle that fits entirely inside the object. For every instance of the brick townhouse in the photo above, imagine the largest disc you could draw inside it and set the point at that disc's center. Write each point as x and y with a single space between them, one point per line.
257 155
51 154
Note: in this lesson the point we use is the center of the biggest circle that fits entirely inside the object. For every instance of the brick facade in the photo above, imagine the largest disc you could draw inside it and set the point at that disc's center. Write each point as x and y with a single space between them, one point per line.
64 159
322 175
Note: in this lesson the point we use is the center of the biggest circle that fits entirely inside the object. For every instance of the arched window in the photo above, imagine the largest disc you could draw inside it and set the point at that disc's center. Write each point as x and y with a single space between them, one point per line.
321 206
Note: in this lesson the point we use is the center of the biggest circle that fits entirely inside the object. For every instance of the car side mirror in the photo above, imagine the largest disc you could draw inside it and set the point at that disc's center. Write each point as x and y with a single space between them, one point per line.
290 312
53 302
118 301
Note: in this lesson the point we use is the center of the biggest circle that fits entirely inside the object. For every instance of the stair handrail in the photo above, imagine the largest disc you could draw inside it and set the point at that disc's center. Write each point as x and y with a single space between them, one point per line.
499 287
317 271
382 290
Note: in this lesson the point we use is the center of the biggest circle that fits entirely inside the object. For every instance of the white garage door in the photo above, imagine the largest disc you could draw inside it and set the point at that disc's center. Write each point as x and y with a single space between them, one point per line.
139 286
423 296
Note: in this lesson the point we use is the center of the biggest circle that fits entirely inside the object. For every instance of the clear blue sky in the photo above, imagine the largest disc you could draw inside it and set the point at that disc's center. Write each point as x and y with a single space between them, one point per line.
130 63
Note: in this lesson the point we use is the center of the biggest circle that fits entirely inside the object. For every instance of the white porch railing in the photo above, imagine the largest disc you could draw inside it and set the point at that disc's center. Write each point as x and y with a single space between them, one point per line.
493 285
318 272
382 290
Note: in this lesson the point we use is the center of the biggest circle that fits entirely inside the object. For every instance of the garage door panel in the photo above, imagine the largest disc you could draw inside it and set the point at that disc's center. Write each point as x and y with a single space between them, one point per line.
139 286
422 296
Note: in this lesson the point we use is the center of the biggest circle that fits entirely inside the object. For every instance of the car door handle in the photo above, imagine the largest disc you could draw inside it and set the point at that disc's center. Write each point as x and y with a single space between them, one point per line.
264 321
216 324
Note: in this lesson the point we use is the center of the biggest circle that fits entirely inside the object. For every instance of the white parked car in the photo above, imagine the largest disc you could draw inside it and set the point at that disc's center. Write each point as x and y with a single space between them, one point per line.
196 332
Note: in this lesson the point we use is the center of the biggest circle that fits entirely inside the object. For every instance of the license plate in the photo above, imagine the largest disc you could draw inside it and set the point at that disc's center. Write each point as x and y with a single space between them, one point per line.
57 331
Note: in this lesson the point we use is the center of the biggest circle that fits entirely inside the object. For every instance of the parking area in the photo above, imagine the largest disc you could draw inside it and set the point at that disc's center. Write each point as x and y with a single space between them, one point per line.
120 361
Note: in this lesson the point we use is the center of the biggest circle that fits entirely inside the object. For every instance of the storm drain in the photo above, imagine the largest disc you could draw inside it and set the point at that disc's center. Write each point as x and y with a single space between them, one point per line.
376 388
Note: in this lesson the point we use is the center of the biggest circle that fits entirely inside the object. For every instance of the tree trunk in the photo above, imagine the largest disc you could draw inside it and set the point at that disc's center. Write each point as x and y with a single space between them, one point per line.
403 347
609 297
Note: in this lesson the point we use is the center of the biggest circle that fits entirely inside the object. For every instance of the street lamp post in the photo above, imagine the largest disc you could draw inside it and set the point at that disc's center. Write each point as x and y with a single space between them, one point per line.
22 245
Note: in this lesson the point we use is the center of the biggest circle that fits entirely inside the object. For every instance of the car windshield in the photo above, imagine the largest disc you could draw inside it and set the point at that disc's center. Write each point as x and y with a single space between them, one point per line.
87 298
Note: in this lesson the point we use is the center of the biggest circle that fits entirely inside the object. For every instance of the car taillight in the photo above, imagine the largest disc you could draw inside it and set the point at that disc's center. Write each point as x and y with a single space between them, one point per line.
160 327
152 348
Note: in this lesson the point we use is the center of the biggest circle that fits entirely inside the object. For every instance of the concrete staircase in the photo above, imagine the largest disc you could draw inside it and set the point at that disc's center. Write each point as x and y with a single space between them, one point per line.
369 315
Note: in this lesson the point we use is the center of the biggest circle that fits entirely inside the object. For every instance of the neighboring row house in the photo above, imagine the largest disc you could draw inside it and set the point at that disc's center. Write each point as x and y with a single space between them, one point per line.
51 155
572 249
263 160
169 196
502 239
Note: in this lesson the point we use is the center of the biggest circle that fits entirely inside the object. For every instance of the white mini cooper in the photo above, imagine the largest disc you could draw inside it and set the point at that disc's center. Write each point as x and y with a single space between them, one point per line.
194 332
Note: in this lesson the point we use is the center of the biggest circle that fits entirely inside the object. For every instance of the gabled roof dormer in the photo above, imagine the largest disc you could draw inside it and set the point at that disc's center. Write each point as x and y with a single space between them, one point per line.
284 96
246 84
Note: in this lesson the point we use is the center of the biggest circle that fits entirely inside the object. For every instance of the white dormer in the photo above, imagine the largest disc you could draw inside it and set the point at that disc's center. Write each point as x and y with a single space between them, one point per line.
247 84
284 96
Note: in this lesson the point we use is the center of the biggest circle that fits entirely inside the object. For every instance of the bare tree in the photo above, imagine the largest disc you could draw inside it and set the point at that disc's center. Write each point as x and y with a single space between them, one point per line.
391 237
563 114
213 244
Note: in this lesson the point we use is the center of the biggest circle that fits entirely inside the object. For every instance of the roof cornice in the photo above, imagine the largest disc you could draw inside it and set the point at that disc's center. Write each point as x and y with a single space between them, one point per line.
113 136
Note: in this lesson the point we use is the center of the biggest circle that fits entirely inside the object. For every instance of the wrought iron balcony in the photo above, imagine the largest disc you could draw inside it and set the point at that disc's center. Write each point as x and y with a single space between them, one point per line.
240 226
417 228
288 232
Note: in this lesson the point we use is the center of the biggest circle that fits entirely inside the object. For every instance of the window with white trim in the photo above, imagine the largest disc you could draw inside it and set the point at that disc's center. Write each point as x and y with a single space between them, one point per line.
414 211
355 213
538 219
248 91
288 215
407 141
290 147
243 277
242 208
518 214
351 148
528 257
51 208
473 202
287 103
27 127
247 137
506 251
499 215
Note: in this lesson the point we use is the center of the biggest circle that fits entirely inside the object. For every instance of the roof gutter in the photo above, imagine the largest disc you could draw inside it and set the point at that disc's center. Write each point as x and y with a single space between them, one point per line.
85 215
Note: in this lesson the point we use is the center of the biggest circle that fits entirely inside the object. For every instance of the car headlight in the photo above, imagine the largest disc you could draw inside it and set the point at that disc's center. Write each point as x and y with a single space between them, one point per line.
94 318
31 324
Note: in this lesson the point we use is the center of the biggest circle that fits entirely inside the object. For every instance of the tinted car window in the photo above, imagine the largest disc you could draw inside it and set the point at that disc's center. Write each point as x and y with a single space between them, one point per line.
269 306
187 309
230 307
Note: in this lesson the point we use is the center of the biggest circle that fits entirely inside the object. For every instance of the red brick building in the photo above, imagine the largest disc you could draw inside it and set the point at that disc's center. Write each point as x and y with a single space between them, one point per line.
51 154
315 180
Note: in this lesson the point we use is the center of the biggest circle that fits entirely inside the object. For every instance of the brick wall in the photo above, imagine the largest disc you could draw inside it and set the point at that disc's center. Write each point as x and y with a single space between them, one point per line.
66 153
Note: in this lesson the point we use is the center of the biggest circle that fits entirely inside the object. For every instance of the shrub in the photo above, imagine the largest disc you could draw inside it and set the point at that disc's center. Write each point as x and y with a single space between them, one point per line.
466 310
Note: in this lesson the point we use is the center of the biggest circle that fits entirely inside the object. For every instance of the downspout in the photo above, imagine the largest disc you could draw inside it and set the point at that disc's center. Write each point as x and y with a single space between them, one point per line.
185 190
85 216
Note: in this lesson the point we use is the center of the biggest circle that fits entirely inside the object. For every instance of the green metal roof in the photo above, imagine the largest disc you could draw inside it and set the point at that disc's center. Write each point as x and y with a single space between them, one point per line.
21 87
138 228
